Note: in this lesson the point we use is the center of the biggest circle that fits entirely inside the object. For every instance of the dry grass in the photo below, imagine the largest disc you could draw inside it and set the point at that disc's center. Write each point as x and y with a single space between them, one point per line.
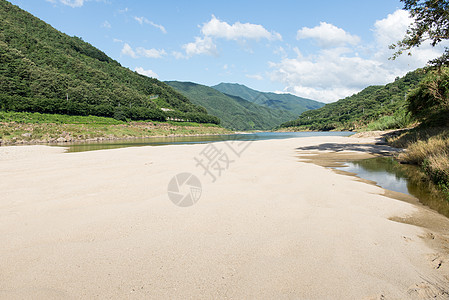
405 138
421 150
440 162
428 148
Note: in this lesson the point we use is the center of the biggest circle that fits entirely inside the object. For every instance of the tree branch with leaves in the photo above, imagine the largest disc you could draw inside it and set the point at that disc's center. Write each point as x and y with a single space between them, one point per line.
431 23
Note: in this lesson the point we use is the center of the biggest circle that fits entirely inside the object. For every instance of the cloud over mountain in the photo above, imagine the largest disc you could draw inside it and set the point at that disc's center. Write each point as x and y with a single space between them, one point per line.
221 29
328 35
217 29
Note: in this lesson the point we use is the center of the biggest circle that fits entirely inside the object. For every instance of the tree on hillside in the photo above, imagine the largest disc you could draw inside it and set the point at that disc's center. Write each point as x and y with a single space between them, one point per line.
429 102
431 23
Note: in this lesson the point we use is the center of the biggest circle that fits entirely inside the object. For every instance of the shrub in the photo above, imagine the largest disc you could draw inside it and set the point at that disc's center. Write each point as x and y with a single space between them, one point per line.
429 102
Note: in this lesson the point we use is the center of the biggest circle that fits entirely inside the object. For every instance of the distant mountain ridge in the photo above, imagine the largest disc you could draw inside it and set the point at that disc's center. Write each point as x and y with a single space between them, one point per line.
234 112
289 102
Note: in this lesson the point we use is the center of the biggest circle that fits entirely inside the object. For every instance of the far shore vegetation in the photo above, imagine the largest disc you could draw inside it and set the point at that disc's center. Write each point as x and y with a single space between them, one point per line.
35 128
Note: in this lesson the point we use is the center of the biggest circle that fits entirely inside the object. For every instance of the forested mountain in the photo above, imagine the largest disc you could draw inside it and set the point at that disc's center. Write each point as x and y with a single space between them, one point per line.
385 104
44 70
234 112
289 102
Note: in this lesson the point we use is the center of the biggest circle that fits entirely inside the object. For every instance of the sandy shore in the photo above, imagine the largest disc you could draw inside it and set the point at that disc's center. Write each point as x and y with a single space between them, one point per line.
101 225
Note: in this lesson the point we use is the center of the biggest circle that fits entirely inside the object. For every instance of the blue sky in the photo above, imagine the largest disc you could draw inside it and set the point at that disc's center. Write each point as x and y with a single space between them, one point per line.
322 50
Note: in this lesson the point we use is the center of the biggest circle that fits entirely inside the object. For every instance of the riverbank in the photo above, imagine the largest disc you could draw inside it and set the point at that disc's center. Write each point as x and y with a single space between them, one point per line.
427 147
35 128
269 225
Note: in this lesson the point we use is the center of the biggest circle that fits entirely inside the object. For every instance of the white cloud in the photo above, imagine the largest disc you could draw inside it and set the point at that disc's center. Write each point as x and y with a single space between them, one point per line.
148 73
201 46
139 19
220 29
160 27
280 51
254 76
142 20
329 76
106 24
340 71
73 3
216 29
127 50
392 28
328 35
142 52
178 55
150 53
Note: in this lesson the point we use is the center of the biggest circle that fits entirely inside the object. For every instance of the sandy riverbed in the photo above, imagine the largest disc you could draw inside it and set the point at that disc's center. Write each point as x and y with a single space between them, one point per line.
100 225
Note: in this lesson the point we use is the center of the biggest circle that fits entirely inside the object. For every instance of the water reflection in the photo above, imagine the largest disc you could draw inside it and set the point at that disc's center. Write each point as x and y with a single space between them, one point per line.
182 140
407 179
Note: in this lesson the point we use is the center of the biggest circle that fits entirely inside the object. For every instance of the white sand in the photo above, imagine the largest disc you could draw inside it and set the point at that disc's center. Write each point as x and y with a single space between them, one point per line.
100 225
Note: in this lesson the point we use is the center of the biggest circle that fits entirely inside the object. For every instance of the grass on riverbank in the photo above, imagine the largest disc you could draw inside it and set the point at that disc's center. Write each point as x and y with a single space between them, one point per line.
428 148
33 128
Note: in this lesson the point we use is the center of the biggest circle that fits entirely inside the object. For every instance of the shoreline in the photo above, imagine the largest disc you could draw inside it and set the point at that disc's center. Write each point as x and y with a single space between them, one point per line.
47 133
55 142
103 139
335 160
100 225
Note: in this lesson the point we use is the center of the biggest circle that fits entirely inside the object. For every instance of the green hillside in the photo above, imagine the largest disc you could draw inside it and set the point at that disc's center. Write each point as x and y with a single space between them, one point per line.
234 112
376 107
44 70
291 103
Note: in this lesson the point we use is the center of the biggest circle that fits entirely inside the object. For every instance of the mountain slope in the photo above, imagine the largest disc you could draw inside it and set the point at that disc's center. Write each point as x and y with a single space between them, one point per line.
294 104
44 70
385 105
234 112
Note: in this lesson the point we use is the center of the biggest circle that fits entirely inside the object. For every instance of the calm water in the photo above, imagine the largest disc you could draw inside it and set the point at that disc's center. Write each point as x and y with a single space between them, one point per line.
393 176
182 140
